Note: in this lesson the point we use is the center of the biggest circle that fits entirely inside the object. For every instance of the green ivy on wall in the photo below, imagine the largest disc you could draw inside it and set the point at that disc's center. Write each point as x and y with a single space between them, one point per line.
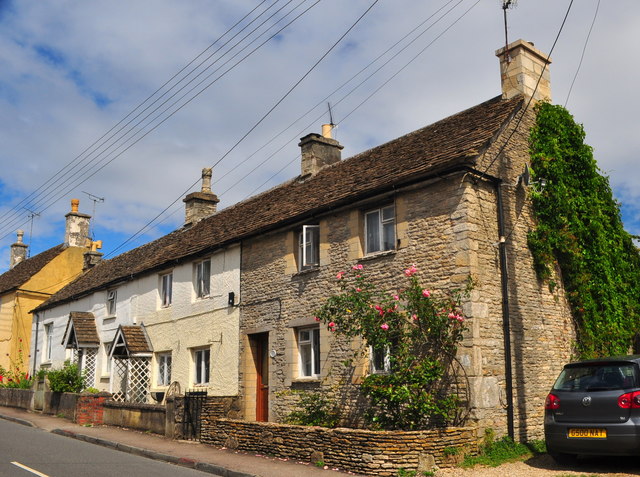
579 229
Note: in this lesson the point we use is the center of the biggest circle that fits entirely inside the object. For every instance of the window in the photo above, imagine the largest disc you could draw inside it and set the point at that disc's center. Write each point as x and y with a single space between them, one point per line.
164 369
106 359
309 247
166 287
112 298
380 233
48 336
380 362
203 278
201 361
309 352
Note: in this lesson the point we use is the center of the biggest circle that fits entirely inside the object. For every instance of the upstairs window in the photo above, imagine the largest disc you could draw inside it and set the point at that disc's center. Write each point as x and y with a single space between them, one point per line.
166 289
164 369
380 230
309 352
309 247
112 299
203 278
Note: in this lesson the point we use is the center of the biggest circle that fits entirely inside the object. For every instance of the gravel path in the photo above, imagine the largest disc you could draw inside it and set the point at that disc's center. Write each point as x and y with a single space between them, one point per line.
545 466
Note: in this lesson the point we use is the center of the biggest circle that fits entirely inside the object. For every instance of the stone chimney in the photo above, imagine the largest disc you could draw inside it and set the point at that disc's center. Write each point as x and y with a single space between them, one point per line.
18 250
92 257
520 69
199 205
319 151
77 229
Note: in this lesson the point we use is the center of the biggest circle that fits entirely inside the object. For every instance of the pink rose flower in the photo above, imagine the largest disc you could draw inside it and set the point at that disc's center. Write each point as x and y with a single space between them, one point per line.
411 270
452 316
332 325
358 267
384 326
340 275
426 293
396 297
414 317
358 290
316 318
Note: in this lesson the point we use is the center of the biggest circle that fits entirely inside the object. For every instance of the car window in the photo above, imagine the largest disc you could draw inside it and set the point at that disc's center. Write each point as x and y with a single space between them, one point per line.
597 377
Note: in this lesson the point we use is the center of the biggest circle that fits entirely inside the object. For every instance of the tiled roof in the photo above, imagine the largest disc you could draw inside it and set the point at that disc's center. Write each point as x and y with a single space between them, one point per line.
83 326
135 339
24 270
454 142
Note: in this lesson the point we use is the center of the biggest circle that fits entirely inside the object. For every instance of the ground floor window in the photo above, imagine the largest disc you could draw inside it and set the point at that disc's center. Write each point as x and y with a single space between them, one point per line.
309 352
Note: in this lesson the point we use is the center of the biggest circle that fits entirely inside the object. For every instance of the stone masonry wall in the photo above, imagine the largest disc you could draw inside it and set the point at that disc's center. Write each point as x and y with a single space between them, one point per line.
448 228
365 452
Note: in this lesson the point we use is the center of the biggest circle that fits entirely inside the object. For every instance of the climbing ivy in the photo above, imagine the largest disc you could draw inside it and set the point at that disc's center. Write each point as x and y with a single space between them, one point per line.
579 228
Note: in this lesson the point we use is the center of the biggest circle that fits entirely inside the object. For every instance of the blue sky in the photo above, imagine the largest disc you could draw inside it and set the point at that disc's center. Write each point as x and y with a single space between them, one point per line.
71 70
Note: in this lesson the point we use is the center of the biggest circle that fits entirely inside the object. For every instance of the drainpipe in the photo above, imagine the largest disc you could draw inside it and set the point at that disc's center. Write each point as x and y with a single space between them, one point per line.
506 324
35 346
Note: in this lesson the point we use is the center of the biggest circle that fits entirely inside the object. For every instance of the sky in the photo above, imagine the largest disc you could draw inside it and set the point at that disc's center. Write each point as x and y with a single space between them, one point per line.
108 101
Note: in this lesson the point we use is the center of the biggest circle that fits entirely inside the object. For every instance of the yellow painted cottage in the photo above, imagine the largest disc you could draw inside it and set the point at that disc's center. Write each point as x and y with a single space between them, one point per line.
30 281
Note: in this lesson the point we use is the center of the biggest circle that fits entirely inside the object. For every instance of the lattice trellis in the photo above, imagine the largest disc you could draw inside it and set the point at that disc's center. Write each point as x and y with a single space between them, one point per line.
130 379
89 360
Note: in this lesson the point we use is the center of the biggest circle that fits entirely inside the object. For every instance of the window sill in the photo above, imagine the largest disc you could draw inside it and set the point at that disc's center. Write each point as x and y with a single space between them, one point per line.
374 255
306 271
310 379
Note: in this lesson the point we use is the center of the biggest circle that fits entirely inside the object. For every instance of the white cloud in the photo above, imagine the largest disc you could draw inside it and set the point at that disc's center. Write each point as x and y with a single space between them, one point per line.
110 55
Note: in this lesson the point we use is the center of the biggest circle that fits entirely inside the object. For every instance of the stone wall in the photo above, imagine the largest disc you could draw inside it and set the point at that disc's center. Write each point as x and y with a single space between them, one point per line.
379 453
14 397
143 417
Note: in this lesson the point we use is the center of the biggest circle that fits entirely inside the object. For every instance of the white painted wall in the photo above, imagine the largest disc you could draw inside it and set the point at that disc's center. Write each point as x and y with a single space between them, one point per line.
188 323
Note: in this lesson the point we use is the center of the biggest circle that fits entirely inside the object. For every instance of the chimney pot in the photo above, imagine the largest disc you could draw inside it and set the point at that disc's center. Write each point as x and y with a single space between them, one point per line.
521 66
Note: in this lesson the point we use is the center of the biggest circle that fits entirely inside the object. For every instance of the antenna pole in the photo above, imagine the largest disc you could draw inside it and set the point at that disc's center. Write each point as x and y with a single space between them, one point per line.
32 214
505 6
95 199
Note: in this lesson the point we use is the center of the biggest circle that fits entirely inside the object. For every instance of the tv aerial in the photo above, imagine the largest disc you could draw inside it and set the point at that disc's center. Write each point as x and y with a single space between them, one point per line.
506 5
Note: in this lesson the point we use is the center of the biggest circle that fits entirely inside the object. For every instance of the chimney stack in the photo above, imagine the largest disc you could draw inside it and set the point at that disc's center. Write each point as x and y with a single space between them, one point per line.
520 69
77 228
92 257
18 250
199 205
319 151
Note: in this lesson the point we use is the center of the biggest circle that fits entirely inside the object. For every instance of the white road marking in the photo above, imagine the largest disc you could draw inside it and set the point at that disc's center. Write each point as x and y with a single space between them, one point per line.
29 469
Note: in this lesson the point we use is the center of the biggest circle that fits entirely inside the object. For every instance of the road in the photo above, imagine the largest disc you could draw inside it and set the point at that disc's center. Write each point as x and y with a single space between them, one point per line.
28 452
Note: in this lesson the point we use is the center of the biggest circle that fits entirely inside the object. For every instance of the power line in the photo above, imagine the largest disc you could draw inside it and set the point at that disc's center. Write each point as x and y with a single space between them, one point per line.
30 199
584 49
291 89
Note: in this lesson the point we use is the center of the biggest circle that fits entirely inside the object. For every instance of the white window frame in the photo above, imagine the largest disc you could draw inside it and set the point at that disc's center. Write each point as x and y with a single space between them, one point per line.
309 247
202 279
375 355
48 337
386 221
112 302
309 365
202 366
164 361
166 289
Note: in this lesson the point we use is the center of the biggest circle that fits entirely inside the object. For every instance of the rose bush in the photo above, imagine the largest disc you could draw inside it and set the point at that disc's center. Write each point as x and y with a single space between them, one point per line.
418 331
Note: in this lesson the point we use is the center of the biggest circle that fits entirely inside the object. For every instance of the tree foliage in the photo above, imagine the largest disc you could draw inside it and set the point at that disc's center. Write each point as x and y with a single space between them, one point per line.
579 228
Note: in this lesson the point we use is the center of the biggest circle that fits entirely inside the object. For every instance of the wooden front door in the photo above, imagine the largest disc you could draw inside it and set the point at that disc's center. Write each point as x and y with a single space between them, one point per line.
262 372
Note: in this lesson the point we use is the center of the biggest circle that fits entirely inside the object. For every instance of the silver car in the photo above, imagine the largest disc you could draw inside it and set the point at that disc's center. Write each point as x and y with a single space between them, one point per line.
594 409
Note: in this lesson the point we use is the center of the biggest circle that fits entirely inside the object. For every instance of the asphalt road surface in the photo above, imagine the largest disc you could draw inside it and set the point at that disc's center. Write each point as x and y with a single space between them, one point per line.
29 452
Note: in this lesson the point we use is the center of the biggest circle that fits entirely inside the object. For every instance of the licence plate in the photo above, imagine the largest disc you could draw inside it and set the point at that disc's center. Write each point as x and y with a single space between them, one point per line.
588 433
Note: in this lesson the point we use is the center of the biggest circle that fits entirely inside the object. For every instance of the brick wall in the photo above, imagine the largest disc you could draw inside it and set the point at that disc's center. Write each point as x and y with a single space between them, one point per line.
366 452
90 408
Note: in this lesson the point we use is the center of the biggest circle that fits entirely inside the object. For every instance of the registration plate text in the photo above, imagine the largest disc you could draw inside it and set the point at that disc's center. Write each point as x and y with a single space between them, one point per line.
588 433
